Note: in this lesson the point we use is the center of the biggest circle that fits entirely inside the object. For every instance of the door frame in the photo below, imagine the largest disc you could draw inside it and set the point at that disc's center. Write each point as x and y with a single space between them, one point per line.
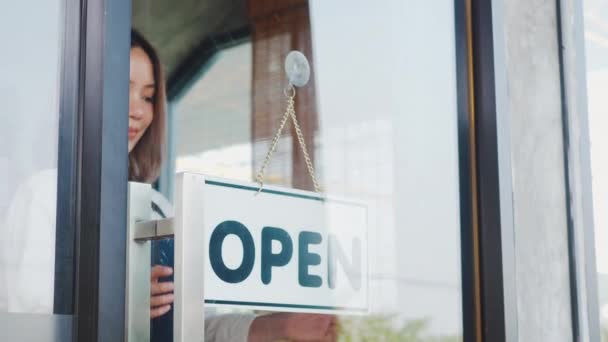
101 167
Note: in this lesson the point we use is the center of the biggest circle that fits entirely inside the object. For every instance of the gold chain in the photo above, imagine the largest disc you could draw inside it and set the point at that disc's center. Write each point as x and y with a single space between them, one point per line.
290 93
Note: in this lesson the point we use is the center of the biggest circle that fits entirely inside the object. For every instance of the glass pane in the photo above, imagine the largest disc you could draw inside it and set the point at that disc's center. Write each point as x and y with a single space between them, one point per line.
596 38
379 119
30 65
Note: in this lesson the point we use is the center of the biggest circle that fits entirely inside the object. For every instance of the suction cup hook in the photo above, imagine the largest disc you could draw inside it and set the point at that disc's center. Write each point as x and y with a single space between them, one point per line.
297 68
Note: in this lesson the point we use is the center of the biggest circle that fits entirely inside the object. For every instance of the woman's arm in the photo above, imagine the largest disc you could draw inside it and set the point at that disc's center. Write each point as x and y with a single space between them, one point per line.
228 327
293 327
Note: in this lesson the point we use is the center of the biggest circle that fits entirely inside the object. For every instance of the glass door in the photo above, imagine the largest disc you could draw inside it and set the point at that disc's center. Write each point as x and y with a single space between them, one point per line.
380 119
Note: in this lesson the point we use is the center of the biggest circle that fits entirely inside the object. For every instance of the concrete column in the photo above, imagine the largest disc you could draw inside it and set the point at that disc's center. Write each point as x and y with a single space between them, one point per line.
537 169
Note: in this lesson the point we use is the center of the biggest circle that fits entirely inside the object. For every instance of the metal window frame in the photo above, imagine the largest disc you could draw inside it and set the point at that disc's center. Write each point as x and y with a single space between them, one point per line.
471 299
101 171
67 162
495 208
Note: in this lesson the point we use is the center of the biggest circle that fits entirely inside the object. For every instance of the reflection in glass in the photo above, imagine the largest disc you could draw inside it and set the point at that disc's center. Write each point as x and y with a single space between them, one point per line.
213 119
30 65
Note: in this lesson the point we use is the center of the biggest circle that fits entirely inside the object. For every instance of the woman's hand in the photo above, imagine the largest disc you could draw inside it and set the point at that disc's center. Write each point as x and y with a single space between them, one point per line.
161 292
294 327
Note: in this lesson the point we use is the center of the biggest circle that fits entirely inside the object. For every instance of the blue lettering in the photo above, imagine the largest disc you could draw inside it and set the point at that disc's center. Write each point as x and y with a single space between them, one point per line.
215 252
269 259
352 268
306 258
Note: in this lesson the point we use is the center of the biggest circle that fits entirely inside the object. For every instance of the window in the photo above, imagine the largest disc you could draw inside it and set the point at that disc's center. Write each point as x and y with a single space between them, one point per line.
370 115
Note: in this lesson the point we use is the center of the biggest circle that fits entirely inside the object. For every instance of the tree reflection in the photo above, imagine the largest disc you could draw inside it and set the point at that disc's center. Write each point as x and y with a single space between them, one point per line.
381 328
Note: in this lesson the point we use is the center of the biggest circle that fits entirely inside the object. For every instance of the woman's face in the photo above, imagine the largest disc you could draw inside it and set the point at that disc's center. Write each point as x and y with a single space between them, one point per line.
141 95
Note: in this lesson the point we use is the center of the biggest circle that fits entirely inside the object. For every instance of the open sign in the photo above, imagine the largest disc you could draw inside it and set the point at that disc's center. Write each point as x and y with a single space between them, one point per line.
284 250
270 259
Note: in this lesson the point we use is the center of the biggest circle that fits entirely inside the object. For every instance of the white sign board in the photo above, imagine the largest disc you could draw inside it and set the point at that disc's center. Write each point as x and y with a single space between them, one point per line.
284 249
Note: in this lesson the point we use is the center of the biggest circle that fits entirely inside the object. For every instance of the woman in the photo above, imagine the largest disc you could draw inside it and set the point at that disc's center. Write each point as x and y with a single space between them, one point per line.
27 245
146 128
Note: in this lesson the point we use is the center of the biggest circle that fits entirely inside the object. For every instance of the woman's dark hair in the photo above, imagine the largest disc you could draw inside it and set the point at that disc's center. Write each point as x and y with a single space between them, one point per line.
146 157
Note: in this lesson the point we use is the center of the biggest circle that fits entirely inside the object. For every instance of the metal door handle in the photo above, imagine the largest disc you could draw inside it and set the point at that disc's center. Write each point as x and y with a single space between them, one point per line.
186 228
